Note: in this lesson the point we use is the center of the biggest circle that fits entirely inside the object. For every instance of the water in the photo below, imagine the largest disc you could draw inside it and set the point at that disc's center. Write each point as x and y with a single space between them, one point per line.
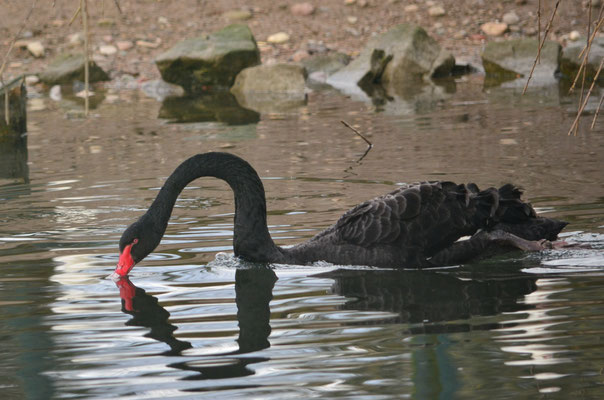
192 324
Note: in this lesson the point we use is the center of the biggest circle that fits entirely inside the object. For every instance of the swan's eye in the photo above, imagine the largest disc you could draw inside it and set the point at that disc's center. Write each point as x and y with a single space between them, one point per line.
135 241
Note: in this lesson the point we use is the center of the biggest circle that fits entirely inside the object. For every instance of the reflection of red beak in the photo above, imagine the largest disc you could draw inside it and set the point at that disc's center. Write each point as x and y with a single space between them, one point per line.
127 292
125 263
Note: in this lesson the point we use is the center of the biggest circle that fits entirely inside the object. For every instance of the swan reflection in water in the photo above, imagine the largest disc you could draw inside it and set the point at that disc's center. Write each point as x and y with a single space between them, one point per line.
253 293
416 296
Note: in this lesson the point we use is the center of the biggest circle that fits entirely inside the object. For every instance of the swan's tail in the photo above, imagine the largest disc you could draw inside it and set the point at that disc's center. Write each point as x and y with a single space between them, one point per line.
504 210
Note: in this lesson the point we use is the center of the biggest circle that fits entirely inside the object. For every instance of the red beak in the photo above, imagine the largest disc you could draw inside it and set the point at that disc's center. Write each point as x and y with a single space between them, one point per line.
125 263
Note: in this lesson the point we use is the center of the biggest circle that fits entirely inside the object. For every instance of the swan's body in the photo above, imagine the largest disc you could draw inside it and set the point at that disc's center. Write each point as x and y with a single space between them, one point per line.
414 226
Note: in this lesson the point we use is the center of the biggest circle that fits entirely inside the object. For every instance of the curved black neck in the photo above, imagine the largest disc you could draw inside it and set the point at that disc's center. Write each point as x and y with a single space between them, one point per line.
251 239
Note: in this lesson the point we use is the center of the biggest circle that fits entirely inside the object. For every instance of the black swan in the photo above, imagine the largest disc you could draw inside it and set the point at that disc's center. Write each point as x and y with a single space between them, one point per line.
415 226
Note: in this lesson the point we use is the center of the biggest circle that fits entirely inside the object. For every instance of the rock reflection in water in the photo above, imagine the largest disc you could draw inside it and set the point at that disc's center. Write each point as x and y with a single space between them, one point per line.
429 297
253 293
212 107
13 158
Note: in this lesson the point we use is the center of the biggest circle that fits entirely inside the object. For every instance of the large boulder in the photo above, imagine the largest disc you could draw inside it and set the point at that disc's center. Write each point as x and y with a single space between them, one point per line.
210 60
570 62
403 55
512 59
271 88
69 67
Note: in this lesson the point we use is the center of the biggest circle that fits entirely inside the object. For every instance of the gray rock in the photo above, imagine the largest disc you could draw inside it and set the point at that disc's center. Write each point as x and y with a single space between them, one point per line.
69 67
512 59
213 60
405 54
510 18
570 62
271 88
328 63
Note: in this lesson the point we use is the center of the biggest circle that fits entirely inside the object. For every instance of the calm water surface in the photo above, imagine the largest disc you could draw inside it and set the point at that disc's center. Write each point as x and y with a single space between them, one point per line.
193 322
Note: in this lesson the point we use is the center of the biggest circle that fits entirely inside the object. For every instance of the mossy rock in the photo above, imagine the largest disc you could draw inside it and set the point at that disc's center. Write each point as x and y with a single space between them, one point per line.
512 59
69 67
570 62
209 60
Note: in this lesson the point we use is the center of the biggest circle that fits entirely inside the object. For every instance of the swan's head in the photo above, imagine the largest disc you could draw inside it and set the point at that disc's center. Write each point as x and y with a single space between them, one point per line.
137 241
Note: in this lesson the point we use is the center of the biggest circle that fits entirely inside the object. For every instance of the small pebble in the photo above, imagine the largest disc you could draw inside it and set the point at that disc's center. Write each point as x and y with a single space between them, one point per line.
107 50
302 9
574 36
36 49
31 79
436 11
351 19
82 93
55 93
494 28
300 55
238 15
124 45
511 18
75 38
411 8
277 38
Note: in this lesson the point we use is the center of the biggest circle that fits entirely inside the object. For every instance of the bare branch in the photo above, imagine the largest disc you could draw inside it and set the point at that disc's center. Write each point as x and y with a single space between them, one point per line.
541 43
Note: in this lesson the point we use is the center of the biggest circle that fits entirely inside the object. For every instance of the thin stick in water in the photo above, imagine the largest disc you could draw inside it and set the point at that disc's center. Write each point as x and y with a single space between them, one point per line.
346 124
369 144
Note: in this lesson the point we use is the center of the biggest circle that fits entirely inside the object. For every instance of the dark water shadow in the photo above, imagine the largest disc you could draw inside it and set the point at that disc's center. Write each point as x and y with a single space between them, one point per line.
253 293
429 299
211 107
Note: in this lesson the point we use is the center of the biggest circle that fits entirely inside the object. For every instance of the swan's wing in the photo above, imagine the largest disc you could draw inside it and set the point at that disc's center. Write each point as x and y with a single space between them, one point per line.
385 219
427 216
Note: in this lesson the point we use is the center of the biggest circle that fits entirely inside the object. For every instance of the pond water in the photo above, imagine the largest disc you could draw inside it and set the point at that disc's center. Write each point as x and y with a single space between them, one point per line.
193 322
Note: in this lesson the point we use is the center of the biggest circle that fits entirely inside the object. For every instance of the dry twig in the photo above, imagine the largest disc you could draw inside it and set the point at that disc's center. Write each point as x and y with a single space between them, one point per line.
593 123
539 29
585 52
593 83
541 43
